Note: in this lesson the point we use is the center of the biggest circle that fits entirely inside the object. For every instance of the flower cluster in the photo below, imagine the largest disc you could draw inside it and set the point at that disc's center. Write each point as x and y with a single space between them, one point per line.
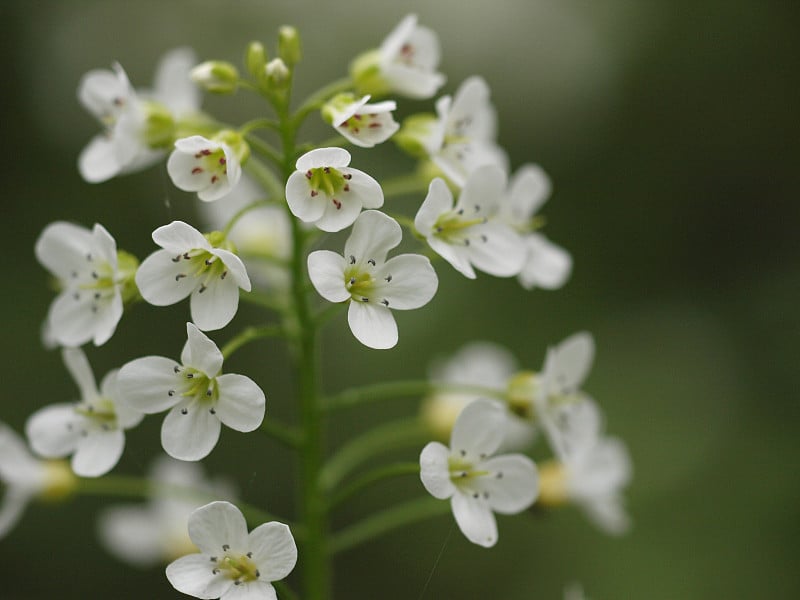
269 209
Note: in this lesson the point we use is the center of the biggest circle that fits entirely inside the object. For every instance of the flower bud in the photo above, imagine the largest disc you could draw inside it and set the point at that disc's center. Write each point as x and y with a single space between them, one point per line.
277 73
416 135
255 59
216 76
289 48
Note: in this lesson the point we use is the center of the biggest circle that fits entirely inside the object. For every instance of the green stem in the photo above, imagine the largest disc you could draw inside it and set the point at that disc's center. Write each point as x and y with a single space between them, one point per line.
403 389
264 149
387 520
374 476
240 213
258 124
249 334
138 487
404 184
318 98
387 436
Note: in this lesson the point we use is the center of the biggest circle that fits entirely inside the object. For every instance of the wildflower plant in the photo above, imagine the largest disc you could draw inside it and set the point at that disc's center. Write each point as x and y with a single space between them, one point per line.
272 198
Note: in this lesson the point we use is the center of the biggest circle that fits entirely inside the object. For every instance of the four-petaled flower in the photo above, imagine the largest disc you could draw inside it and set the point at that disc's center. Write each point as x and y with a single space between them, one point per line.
92 431
205 166
92 276
191 263
138 127
373 285
478 483
25 477
363 124
199 397
232 563
547 265
465 233
328 193
405 63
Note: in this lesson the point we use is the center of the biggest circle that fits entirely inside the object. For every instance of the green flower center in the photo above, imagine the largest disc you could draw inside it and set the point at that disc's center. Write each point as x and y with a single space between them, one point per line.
329 181
100 412
453 226
238 567
202 264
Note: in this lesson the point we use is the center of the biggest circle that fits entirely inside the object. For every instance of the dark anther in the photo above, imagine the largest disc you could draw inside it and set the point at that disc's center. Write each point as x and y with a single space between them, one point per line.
95 275
258 573
94 308
439 229
352 281
214 571
179 276
326 169
97 295
226 547
309 174
249 555
208 262
371 261
466 242
89 257
186 256
483 456
314 193
176 369
385 302
477 208
486 495
202 288
460 211
76 295
171 393
224 275
364 299
190 376
213 411
209 392
476 495
74 274
463 452
213 558
499 474
484 239
352 259
237 582
346 188
463 473
388 278
184 411
348 176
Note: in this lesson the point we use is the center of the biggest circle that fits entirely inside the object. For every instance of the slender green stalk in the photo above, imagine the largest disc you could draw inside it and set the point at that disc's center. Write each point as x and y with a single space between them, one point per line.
387 436
392 518
263 148
318 98
404 185
249 334
370 477
138 487
259 124
240 213
402 389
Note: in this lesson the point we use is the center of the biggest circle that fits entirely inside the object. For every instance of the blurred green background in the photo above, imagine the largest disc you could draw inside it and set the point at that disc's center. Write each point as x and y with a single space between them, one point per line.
670 130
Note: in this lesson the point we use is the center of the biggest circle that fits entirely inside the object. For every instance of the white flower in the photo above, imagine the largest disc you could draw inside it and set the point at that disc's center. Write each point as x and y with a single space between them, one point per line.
591 468
233 564
91 276
328 193
196 265
92 431
137 126
199 397
155 533
363 124
462 137
478 483
373 285
204 166
405 63
465 233
547 265
25 477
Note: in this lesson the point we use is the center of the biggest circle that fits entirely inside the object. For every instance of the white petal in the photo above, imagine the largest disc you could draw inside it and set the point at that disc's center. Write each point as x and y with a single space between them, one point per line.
373 325
98 452
336 217
132 534
498 251
235 267
241 402
180 167
127 417
398 36
479 429
363 189
517 487
528 190
303 205
413 281
456 255
196 143
200 352
573 428
569 363
97 161
472 111
163 281
251 590
54 431
274 550
179 237
547 266
438 201
326 271
323 157
107 315
78 366
217 524
189 436
373 235
604 469
172 84
483 190
435 470
475 519
72 320
101 90
216 305
62 248
144 384
12 506
608 513
192 575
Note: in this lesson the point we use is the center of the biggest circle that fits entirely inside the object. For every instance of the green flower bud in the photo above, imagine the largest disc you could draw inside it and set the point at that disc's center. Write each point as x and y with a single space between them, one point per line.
235 141
256 59
289 48
414 133
366 74
277 73
216 76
